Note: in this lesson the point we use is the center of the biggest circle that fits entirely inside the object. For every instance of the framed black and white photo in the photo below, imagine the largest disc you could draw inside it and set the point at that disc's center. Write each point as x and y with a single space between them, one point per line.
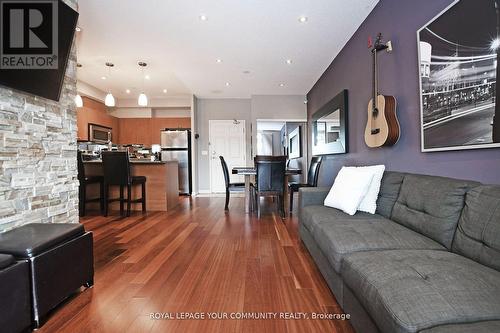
458 52
295 143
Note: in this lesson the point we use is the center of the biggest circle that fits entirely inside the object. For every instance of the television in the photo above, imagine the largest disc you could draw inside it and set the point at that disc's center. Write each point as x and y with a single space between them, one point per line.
36 40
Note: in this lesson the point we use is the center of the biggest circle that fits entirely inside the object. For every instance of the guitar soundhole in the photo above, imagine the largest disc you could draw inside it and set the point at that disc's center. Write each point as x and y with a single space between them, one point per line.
375 131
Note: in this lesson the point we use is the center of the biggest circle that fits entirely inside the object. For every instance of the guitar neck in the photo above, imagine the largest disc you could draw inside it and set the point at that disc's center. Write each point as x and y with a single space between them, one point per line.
375 79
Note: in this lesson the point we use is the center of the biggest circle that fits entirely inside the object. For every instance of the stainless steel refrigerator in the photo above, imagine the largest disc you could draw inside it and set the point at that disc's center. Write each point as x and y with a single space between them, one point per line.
176 145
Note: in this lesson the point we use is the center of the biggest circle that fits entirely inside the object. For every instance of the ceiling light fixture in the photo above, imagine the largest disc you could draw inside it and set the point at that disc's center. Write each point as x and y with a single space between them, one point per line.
109 100
147 77
303 19
127 91
288 61
218 61
78 29
203 17
228 84
143 99
103 78
78 101
78 98
495 44
282 84
165 91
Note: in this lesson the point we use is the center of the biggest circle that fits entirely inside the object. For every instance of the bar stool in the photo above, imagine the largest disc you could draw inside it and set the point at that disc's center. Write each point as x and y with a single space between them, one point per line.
116 167
82 190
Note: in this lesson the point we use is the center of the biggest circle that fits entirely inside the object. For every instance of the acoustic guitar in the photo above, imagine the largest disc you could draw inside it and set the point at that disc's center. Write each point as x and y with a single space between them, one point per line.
382 127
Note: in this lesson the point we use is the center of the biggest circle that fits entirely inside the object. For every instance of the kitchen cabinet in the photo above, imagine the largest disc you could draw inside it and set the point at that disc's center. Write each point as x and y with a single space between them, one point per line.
144 131
94 112
159 124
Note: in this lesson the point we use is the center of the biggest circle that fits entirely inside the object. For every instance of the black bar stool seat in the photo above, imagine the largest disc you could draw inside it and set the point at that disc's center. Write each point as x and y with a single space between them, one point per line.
138 179
94 179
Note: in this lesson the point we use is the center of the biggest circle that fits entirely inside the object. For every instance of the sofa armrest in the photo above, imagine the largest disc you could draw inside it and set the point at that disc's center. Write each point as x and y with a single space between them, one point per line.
312 196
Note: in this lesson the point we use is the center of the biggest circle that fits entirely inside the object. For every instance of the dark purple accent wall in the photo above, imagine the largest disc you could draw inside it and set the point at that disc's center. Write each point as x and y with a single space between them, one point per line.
398 21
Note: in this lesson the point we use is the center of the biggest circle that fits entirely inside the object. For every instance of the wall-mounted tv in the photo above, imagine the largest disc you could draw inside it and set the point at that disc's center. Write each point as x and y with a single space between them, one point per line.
35 43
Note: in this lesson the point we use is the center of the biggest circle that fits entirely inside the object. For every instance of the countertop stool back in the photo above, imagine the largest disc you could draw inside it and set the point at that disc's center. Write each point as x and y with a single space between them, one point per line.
116 169
82 190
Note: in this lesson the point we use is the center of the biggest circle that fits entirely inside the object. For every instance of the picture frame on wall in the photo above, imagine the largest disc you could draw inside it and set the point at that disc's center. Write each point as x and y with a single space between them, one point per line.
457 57
295 143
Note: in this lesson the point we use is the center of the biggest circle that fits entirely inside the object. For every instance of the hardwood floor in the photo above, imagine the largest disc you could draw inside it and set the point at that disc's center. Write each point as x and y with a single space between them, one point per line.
198 259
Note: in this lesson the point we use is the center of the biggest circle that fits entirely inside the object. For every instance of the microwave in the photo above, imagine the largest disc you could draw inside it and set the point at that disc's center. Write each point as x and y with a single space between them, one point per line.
100 134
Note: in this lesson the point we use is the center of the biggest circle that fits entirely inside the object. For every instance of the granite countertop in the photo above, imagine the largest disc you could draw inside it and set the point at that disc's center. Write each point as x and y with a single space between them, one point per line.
144 161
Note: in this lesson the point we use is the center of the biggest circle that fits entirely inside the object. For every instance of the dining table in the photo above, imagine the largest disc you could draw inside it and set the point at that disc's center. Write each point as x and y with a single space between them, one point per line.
249 172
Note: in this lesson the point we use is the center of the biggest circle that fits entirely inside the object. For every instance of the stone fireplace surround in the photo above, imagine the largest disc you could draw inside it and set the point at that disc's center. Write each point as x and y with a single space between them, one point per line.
38 171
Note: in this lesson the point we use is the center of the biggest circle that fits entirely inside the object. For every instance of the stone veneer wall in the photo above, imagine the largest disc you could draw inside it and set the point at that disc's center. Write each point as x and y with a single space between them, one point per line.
38 171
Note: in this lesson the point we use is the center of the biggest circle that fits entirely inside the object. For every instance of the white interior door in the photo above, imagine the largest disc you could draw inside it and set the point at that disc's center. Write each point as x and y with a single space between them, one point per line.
227 139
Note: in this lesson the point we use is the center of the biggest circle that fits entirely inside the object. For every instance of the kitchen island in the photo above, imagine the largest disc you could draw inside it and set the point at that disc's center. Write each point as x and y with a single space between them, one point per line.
162 185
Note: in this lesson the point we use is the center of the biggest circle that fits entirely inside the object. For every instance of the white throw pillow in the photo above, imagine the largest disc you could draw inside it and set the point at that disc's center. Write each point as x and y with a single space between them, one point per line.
369 202
349 189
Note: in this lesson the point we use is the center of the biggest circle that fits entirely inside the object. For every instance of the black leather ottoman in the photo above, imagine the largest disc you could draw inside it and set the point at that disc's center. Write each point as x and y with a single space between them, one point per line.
15 303
60 258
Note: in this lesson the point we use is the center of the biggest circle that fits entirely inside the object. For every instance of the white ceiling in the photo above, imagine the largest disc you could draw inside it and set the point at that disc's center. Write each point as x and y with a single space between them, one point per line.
181 50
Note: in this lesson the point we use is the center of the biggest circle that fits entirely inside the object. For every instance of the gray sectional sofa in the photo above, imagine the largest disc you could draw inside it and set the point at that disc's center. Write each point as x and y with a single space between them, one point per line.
427 261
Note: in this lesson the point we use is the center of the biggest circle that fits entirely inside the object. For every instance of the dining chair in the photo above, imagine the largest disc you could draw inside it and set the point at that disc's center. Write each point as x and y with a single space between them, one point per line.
312 178
230 187
270 180
116 167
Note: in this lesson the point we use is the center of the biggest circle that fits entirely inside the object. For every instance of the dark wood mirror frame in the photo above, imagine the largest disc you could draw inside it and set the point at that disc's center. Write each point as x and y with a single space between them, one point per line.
341 146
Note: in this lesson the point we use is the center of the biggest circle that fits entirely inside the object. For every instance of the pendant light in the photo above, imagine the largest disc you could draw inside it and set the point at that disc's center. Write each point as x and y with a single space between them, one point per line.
143 99
78 101
109 100
78 98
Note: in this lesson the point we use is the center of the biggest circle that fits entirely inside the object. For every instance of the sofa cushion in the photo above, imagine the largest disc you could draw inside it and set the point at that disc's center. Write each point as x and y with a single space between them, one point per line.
32 239
409 290
338 234
389 192
480 327
6 260
431 205
478 233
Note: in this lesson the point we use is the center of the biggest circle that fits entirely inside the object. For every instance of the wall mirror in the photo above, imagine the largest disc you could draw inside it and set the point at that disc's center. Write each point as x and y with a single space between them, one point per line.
329 127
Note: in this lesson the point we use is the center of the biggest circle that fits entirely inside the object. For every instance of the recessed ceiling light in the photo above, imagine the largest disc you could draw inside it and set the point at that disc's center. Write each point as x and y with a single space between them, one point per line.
147 77
127 91
228 84
165 91
282 84
303 19
203 17
218 61
288 61
103 78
